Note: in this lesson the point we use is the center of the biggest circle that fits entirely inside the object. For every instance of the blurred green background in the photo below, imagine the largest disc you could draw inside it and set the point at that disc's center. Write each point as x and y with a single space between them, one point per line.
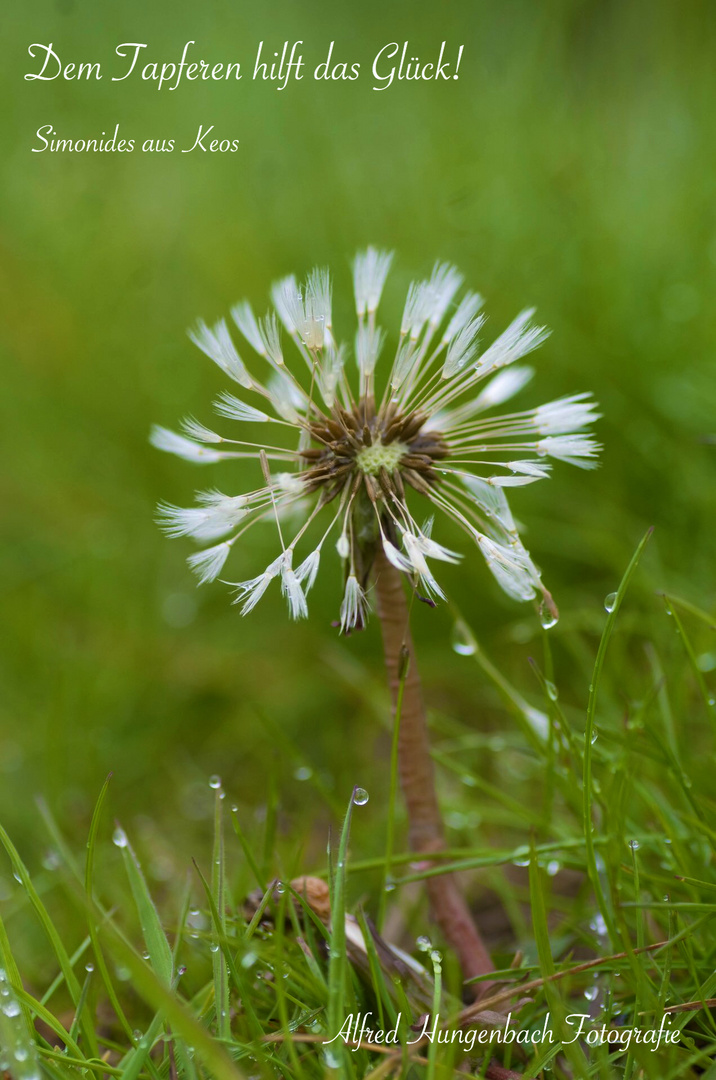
571 166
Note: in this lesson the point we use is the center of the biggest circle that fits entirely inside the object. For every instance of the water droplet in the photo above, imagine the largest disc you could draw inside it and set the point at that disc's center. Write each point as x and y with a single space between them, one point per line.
468 781
390 886
215 782
280 888
360 796
21 1054
89 968
591 992
303 772
331 1058
50 860
424 943
436 956
11 1008
552 691
521 862
181 970
213 947
634 845
462 640
547 617
17 877
248 959
119 837
706 661
712 702
610 602
553 867
598 925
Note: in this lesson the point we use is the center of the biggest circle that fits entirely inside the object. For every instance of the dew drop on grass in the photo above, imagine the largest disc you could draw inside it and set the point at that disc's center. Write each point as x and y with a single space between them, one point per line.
119 838
50 860
552 691
598 925
591 992
595 736
424 943
360 796
214 947
215 782
461 640
634 845
280 888
11 1008
610 602
553 867
303 772
21 1054
89 968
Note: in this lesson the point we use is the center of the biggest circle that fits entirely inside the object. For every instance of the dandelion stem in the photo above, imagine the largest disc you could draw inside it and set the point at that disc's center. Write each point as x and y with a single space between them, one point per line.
415 766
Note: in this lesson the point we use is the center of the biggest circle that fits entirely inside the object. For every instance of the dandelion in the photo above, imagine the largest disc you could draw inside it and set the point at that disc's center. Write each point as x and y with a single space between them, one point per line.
362 453
354 461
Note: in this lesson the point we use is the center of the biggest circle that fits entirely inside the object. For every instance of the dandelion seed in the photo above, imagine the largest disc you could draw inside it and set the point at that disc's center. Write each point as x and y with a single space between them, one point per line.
354 607
366 457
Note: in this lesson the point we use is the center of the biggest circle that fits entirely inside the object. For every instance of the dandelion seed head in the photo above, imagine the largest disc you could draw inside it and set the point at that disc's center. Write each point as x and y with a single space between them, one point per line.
355 452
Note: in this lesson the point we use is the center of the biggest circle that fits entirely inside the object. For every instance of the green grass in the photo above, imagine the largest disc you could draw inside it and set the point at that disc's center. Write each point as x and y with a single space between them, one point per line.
613 918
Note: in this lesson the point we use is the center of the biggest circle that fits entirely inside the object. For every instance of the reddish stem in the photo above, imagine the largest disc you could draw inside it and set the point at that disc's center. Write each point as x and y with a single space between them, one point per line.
417 779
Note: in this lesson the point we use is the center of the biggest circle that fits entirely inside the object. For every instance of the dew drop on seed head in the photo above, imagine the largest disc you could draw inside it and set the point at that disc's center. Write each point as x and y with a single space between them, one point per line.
215 782
610 602
119 837
461 640
360 796
424 943
547 618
